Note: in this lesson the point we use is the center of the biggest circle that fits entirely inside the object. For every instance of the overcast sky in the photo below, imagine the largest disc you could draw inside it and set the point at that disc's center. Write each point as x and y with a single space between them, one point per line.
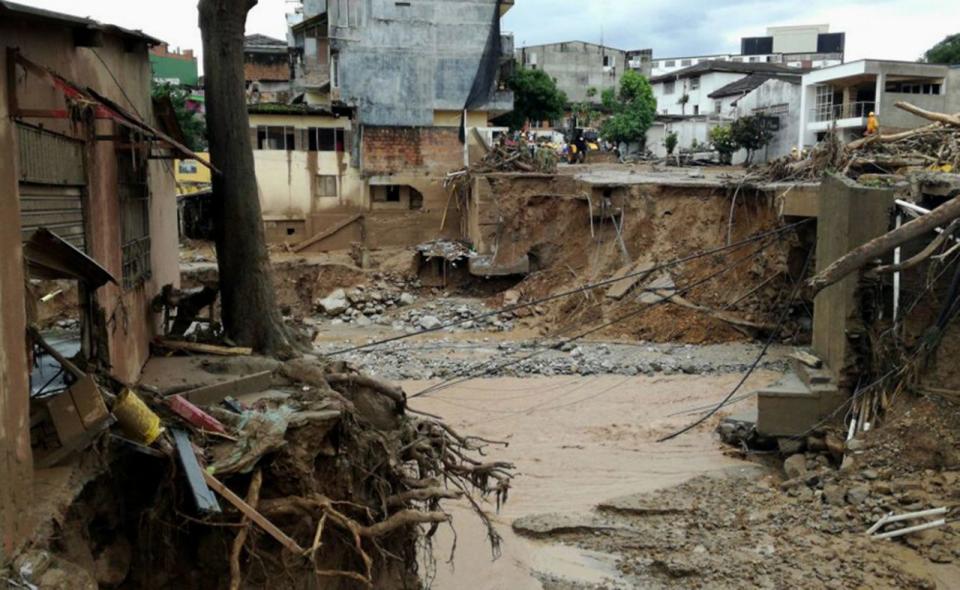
885 29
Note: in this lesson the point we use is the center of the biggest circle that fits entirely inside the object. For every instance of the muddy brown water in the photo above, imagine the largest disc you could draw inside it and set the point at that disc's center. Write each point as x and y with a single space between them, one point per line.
576 441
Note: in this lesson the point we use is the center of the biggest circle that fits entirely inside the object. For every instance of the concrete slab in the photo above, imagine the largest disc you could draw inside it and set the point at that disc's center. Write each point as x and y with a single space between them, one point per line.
178 374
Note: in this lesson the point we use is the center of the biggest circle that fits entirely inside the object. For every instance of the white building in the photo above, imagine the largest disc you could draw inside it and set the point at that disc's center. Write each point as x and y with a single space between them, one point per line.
844 95
802 46
720 92
712 87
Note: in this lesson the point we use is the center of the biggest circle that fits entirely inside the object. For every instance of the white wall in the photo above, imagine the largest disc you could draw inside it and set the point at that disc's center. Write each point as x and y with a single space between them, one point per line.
796 39
709 82
775 98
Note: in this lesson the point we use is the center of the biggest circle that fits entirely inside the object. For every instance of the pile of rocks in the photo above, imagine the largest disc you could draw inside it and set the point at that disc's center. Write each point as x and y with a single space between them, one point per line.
362 305
447 357
444 312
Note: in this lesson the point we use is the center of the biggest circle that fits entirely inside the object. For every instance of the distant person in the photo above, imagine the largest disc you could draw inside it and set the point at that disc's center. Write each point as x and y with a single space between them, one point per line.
873 126
581 144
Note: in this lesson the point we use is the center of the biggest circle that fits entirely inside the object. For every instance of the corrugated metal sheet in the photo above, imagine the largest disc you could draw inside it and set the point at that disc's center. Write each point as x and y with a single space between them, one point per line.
52 179
50 158
57 208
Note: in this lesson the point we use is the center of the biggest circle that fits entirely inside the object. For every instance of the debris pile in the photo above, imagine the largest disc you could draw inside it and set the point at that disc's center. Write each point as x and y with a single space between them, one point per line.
502 158
325 477
932 147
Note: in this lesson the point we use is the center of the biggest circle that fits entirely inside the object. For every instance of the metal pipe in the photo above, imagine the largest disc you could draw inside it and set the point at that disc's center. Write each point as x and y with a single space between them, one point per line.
897 254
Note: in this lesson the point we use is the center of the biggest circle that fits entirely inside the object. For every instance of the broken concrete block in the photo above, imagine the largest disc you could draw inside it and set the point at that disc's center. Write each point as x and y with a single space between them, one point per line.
429 322
335 303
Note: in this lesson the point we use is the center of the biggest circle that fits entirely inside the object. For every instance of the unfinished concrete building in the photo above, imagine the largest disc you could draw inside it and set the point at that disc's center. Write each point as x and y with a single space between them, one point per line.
583 70
86 199
395 94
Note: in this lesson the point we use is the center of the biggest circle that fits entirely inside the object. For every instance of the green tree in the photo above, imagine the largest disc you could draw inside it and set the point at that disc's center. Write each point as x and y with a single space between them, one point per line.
670 142
944 52
633 109
722 139
750 133
193 126
535 98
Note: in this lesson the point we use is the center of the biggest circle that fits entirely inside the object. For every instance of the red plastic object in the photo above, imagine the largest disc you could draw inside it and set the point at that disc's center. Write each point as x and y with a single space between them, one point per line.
194 415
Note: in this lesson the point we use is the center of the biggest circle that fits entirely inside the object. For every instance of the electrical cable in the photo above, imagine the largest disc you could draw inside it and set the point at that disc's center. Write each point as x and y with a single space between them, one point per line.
687 289
585 288
773 335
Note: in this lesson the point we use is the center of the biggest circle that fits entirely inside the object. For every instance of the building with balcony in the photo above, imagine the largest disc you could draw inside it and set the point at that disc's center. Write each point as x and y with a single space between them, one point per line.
844 95
386 99
801 46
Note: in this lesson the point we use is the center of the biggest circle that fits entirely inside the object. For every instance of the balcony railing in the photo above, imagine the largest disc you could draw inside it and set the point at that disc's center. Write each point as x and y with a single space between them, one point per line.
835 112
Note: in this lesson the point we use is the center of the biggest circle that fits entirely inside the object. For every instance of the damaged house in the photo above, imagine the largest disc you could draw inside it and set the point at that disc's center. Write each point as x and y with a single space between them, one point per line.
388 98
88 196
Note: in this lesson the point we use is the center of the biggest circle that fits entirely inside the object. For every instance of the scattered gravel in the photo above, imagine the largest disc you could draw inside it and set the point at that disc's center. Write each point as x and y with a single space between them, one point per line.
449 357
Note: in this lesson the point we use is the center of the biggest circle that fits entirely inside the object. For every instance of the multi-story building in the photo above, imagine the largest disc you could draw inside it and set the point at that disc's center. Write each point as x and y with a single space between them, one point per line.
387 98
583 70
174 67
844 95
692 101
711 87
802 46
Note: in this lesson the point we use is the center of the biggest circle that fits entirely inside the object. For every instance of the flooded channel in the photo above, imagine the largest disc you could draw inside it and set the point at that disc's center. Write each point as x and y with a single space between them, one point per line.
576 441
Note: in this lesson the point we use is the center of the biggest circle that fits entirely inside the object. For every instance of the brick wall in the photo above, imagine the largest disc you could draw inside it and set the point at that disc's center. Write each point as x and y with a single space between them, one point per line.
391 150
260 68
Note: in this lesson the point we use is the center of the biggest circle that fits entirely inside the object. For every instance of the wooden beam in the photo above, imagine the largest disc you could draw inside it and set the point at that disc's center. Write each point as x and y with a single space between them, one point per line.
182 345
252 514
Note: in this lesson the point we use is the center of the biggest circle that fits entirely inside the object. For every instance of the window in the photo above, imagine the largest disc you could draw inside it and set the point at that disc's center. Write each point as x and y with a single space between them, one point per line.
754 59
348 12
326 185
695 83
187 167
736 59
686 62
655 64
134 193
911 87
275 138
668 87
669 63
696 109
325 139
606 61
393 194
717 107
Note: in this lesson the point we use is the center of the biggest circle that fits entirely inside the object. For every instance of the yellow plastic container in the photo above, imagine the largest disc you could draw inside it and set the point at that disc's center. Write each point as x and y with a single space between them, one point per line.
136 418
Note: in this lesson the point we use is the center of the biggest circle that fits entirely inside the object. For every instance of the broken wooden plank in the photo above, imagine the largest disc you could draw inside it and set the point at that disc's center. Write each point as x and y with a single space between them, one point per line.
182 345
205 499
213 394
251 513
630 274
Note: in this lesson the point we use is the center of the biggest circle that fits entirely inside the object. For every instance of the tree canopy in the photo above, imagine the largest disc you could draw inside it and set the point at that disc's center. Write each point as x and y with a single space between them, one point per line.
193 126
633 108
535 98
944 52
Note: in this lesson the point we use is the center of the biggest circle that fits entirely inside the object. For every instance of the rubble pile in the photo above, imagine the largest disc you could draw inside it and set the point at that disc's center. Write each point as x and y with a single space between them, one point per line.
502 158
933 147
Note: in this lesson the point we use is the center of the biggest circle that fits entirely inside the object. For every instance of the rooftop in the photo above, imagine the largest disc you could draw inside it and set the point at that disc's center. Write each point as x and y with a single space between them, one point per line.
750 83
735 67
32 13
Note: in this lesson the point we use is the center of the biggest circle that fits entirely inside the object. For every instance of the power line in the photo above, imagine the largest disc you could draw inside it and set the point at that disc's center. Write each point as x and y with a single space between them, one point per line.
766 346
588 287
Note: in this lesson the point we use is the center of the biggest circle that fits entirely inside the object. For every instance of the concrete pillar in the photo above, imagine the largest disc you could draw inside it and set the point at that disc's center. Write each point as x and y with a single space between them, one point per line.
881 85
849 215
846 109
16 461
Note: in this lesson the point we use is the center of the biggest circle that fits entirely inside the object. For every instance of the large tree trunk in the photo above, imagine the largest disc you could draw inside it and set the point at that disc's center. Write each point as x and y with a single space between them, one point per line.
250 313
